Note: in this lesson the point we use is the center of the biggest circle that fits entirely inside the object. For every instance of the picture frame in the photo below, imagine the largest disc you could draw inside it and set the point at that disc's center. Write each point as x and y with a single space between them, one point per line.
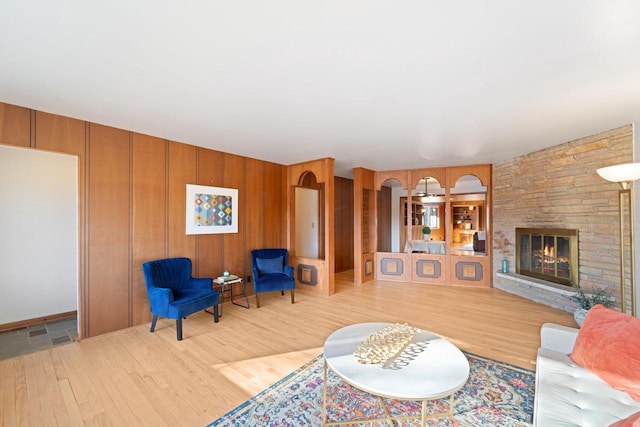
211 210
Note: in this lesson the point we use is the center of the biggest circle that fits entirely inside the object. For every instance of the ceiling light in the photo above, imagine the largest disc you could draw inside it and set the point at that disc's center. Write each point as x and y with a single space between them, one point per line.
425 193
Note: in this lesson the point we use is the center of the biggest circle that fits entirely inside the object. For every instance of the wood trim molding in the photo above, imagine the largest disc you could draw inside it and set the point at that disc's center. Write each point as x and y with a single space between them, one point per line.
36 320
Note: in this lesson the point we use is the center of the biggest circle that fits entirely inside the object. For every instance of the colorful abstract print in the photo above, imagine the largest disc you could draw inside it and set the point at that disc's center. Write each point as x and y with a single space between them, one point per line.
212 210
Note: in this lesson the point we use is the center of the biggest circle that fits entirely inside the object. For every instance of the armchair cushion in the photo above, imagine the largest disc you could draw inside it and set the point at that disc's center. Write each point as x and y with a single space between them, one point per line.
275 282
189 301
270 265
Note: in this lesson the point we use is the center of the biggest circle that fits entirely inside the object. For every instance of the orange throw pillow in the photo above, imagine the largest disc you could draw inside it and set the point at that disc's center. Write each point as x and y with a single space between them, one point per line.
632 420
608 344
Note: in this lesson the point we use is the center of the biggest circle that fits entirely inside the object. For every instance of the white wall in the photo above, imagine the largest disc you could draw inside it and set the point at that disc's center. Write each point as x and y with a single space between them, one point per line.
306 222
38 233
396 219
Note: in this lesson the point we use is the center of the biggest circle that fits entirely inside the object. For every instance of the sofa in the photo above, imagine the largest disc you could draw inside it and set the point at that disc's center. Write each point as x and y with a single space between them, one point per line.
568 394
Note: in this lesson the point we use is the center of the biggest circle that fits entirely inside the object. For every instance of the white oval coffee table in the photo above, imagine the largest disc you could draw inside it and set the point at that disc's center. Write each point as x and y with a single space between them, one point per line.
429 368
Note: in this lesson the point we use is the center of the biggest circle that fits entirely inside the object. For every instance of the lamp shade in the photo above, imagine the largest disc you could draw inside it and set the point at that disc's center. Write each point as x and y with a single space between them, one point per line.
620 173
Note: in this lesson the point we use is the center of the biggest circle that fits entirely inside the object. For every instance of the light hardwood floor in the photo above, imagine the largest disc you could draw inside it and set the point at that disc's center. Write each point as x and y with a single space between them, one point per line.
132 377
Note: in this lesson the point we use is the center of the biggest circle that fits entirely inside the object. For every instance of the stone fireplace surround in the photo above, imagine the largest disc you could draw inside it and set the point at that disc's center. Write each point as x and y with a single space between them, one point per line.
537 288
548 253
558 187
547 293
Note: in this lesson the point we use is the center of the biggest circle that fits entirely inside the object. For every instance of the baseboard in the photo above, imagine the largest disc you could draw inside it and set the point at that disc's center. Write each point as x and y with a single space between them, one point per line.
36 320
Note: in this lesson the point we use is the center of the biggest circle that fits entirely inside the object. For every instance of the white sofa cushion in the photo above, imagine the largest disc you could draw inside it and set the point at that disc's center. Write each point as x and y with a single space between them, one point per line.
569 395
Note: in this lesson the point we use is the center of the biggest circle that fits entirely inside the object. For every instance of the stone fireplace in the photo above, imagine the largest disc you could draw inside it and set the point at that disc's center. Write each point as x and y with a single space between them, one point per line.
548 253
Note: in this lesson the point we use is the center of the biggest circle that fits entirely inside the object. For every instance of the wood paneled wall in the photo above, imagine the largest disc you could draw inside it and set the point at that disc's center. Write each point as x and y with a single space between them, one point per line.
132 208
384 219
344 223
108 249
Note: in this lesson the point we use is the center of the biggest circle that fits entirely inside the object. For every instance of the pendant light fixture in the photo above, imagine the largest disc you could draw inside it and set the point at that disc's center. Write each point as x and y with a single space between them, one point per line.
425 193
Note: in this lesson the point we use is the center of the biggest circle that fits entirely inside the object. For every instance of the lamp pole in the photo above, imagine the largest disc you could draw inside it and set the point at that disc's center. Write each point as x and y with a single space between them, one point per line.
625 174
627 190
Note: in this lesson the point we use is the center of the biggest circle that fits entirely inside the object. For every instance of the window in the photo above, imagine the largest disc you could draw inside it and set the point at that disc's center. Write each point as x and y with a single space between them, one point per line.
430 216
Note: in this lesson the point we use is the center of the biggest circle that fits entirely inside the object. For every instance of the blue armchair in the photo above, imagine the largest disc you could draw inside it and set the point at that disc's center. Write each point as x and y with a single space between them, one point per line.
272 272
174 294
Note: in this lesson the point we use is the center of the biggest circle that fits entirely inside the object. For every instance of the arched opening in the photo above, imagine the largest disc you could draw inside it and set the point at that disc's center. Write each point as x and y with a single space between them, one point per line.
427 216
468 215
316 175
309 219
389 216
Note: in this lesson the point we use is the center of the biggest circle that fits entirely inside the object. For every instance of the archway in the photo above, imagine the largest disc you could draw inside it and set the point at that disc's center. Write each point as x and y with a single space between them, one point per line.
315 270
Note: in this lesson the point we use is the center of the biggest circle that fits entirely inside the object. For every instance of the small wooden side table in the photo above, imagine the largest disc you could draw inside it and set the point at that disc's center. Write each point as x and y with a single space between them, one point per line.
226 287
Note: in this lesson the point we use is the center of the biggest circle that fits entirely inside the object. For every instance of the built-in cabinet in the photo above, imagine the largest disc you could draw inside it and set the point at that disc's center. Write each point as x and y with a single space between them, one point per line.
412 221
458 201
414 217
467 218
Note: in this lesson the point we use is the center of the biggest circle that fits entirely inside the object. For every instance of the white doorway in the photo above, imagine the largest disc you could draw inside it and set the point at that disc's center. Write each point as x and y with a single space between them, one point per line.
307 236
39 234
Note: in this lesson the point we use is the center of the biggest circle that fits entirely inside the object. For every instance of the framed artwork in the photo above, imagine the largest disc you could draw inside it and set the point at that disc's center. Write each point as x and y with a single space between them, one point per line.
211 210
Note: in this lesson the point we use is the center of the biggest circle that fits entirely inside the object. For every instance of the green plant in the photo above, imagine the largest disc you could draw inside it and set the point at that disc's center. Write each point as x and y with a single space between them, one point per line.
426 230
594 296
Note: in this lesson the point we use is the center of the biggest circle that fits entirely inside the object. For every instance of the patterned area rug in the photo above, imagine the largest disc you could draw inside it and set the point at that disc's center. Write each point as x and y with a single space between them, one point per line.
496 394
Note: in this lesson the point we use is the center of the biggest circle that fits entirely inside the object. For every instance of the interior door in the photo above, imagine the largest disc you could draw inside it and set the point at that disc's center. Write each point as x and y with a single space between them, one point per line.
307 236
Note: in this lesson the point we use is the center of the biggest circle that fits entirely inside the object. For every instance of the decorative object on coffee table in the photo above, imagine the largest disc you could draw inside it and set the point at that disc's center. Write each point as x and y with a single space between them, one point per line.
384 344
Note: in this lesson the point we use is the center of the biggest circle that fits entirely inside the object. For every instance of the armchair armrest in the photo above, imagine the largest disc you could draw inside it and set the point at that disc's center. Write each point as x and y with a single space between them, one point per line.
159 300
256 275
288 270
558 338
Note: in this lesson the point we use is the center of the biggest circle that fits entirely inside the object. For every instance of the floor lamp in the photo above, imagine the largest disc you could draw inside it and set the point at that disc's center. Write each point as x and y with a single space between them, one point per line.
625 174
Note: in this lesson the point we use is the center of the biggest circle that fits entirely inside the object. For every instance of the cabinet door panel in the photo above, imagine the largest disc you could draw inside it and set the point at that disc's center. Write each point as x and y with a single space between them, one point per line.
234 177
275 208
108 229
254 211
149 238
182 171
15 125
58 133
209 259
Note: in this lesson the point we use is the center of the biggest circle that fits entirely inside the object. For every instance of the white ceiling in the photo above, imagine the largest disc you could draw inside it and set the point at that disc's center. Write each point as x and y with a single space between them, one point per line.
377 84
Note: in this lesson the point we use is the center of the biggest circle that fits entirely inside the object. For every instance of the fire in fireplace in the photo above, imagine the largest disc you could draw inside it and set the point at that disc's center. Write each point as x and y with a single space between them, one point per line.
548 253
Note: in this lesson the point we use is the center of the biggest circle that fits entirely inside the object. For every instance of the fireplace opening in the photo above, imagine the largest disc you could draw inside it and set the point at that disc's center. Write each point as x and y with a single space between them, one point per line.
548 253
